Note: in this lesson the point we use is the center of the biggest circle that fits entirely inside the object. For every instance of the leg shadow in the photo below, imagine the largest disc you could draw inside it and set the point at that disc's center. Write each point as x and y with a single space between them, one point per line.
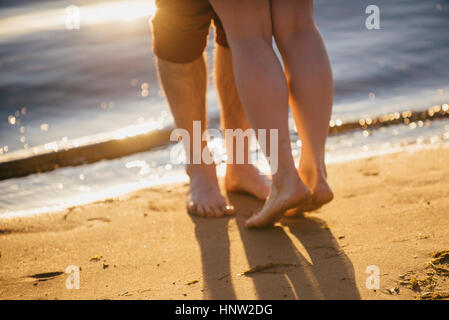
311 264
272 245
326 273
330 267
213 239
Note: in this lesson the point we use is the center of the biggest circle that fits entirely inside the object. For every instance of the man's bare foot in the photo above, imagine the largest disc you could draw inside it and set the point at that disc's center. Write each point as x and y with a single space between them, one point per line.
205 199
320 189
247 178
290 193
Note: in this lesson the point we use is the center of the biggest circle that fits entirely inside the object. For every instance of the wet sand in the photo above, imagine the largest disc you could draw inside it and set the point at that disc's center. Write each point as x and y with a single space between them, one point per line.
389 211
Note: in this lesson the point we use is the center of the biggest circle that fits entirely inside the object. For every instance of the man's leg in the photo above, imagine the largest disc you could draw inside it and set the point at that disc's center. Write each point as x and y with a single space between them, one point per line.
185 88
239 177
310 84
263 90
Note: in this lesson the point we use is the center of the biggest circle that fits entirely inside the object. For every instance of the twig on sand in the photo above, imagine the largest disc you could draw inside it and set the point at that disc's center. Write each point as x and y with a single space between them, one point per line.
269 266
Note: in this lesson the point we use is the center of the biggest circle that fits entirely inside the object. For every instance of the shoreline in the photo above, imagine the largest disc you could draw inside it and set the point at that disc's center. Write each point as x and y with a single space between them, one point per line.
140 138
118 191
389 211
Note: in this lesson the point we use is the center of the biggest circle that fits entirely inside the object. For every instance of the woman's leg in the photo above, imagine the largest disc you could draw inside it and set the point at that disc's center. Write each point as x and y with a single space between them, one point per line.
239 177
263 91
310 83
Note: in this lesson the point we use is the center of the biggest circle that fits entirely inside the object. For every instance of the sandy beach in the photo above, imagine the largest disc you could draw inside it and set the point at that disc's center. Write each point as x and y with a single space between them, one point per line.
389 211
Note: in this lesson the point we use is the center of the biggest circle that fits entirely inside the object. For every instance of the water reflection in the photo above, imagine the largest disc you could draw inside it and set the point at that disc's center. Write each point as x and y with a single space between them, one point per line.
75 17
70 186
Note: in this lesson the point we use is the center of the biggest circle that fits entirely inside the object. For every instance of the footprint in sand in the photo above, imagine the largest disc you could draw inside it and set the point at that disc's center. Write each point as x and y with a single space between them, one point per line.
96 221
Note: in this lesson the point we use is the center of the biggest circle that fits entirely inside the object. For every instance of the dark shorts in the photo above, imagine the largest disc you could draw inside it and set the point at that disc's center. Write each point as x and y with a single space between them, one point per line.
181 28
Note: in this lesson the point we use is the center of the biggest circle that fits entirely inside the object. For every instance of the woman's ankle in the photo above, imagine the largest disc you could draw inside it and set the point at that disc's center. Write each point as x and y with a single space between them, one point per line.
313 174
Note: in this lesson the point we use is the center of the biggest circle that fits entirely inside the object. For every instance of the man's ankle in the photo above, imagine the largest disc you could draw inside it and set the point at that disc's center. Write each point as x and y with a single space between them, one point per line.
238 166
201 168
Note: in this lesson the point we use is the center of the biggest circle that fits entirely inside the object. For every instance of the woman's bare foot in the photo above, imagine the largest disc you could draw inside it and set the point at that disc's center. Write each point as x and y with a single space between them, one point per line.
320 189
321 195
247 178
205 198
288 194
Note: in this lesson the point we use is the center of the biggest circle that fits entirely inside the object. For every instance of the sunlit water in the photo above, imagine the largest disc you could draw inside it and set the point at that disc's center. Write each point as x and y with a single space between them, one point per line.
70 69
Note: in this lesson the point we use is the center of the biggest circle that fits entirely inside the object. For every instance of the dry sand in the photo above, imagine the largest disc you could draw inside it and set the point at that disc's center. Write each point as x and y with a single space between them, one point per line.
390 211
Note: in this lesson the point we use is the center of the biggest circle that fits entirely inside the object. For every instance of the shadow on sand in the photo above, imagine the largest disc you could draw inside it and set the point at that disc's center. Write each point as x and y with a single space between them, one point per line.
319 269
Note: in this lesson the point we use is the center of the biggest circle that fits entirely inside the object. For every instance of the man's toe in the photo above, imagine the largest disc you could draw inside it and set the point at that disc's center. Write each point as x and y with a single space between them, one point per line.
209 210
229 209
217 211
191 207
201 210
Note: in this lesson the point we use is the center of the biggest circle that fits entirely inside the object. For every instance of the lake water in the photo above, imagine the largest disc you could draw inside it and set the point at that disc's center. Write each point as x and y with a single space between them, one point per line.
70 69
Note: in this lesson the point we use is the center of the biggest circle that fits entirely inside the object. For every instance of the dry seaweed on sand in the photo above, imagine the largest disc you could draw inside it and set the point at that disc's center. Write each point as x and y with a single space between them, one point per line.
441 257
417 284
95 258
440 270
434 295
428 286
192 282
440 261
394 290
425 284
264 268
325 226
